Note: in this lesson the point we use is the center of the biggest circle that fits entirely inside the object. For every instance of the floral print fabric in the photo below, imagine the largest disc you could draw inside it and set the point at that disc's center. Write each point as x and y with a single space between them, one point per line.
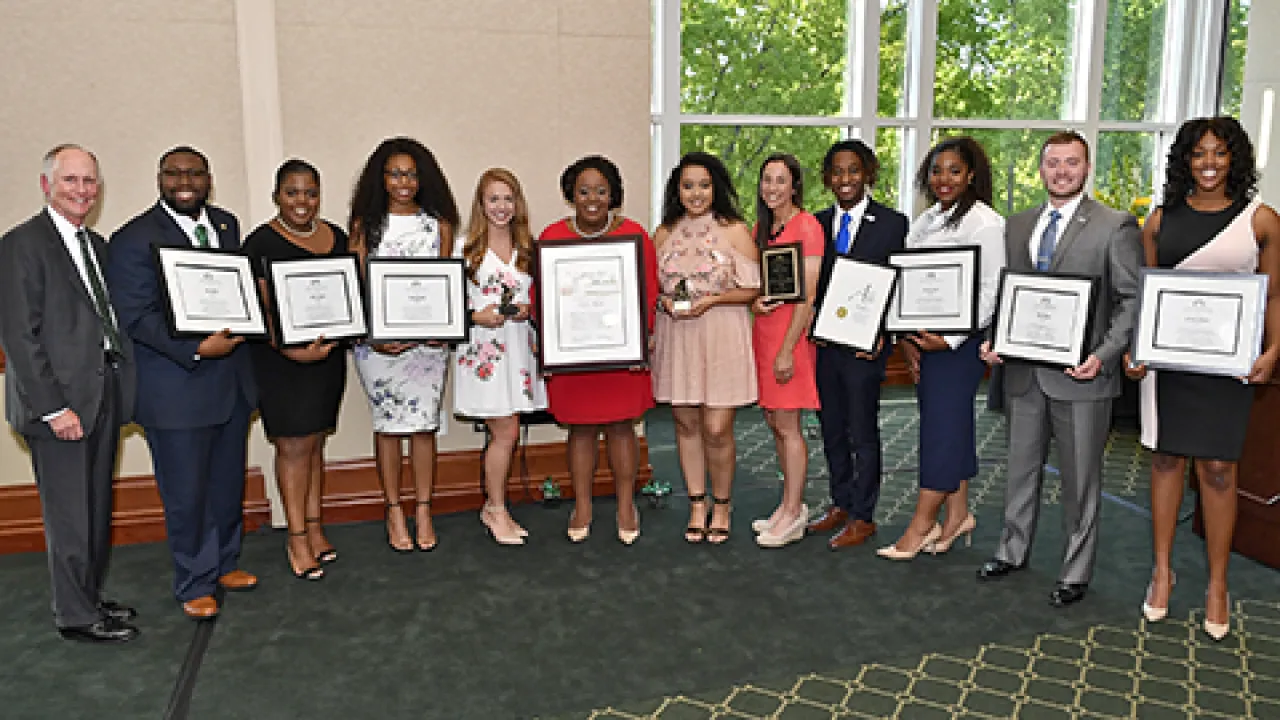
495 374
405 391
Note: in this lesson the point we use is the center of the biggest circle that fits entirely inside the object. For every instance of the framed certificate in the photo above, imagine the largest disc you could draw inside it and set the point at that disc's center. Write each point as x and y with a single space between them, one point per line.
782 272
415 299
207 290
852 311
590 304
1208 323
1044 317
312 297
937 290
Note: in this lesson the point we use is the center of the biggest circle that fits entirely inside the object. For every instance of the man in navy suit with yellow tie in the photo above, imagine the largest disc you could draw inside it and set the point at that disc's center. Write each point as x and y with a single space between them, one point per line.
860 228
194 395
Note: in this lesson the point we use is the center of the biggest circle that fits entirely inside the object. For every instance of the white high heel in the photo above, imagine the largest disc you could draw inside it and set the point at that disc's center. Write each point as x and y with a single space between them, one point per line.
1216 631
1156 614
793 533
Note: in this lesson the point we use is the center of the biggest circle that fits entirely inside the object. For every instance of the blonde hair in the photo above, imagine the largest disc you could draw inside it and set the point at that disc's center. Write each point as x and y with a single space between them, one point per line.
477 240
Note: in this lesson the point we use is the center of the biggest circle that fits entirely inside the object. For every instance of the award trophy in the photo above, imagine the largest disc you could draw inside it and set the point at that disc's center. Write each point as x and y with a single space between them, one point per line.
681 299
506 307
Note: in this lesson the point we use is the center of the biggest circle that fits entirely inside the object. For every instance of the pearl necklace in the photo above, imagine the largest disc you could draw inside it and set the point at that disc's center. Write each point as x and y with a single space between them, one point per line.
291 231
573 225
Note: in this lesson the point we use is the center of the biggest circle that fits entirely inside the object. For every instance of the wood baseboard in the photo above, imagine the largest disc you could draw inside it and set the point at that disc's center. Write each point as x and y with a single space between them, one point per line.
352 494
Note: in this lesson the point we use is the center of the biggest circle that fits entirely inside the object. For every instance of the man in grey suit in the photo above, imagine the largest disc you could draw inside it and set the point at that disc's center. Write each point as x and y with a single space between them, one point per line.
69 386
1071 233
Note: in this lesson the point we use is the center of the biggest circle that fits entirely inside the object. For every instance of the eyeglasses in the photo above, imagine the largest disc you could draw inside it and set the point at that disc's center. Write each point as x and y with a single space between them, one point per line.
402 174
192 173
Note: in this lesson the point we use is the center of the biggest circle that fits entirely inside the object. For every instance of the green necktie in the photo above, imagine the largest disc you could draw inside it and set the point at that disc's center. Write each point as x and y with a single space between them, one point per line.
202 236
99 292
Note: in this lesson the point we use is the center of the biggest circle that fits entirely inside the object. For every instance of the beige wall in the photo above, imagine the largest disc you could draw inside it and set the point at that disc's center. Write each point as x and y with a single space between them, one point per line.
528 84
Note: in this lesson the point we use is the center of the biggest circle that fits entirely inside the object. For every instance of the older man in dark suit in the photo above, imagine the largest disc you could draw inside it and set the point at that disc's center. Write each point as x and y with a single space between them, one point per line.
860 228
1071 233
69 386
195 394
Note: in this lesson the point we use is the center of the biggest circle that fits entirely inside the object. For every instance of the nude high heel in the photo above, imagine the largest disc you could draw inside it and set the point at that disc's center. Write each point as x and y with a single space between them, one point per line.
966 529
499 536
1156 614
892 552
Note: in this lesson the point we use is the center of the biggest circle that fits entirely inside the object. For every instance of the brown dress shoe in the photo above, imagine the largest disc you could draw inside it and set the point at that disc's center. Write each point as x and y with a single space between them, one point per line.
202 608
833 518
238 580
854 533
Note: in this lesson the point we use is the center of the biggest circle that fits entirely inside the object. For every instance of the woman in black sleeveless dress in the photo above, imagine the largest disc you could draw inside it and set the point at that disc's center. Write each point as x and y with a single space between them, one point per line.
1209 222
299 389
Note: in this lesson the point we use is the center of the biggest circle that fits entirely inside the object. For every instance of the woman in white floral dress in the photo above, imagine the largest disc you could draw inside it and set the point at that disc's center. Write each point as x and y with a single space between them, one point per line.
496 375
402 207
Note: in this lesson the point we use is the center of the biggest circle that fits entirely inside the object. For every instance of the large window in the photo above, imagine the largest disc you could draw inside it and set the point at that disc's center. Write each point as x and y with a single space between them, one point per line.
747 78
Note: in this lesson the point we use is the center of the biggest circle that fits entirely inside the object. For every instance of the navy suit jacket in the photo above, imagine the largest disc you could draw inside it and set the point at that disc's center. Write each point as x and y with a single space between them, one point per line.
175 391
882 232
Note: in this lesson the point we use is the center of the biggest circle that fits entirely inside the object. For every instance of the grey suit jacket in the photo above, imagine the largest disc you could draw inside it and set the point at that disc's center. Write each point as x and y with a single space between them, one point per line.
1106 244
51 334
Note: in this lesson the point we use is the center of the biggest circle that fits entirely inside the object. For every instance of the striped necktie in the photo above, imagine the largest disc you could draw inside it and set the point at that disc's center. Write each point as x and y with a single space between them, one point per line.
98 292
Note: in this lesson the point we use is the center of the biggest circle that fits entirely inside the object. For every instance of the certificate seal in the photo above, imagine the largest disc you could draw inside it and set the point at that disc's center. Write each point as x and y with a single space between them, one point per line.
842 312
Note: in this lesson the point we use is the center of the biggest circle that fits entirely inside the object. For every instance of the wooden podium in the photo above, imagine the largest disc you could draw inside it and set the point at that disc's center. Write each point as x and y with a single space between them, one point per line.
1257 533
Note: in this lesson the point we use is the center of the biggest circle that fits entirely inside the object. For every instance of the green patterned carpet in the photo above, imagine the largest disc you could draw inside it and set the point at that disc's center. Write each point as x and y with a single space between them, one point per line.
1127 669
668 631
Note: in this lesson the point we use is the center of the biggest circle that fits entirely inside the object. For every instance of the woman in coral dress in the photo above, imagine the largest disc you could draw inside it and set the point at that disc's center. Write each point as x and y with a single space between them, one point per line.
786 365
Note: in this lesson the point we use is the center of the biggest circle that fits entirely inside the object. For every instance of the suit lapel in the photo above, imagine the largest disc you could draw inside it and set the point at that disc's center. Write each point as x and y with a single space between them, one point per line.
1071 231
226 240
1019 240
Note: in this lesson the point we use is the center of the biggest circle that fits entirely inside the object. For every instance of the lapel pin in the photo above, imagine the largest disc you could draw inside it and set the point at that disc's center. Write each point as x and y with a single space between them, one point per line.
222 226
870 218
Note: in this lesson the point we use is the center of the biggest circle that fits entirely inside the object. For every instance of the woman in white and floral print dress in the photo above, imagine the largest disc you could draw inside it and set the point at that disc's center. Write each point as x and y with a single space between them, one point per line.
402 207
495 374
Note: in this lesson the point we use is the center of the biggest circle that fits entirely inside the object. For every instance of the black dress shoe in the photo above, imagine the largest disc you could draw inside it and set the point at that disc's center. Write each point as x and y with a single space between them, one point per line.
116 611
1067 594
996 568
106 630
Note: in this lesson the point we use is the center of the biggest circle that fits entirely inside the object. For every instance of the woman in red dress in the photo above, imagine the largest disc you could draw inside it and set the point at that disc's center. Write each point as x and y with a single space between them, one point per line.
609 402
785 356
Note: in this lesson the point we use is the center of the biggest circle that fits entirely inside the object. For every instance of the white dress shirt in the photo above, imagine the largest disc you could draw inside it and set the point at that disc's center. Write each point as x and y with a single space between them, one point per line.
67 232
981 226
1066 211
855 214
188 225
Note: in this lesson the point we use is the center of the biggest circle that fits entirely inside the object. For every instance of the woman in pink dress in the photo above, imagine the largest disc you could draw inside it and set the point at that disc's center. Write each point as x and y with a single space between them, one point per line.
702 362
785 356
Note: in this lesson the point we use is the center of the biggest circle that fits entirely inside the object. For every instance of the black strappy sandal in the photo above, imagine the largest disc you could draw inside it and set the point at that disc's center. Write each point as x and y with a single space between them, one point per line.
325 557
694 533
315 572
715 535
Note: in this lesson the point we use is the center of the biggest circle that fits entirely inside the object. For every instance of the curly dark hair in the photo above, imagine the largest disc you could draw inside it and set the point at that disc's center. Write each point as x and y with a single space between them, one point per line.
764 216
369 200
975 158
1242 175
870 163
600 164
724 198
